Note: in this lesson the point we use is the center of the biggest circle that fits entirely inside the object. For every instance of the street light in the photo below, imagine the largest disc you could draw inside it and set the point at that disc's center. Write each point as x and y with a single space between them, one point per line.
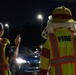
40 17
7 29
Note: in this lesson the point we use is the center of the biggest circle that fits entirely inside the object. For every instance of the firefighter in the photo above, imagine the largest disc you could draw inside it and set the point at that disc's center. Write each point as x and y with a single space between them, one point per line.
58 55
6 52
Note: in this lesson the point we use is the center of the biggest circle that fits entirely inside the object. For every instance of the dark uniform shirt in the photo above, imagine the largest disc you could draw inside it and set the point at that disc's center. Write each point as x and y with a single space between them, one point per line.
9 51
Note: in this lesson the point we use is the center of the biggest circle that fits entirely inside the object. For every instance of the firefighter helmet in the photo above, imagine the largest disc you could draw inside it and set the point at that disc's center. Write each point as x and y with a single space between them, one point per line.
62 14
61 17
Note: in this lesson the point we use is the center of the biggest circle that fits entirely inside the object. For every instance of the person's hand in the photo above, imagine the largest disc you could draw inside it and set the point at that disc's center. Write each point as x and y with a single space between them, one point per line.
17 40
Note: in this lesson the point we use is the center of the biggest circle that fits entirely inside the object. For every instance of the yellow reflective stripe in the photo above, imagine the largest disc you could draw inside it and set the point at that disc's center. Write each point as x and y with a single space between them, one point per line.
3 59
6 41
10 72
44 63
4 72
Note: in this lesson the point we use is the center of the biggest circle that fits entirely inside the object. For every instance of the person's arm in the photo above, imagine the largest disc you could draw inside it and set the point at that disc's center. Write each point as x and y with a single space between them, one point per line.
16 48
45 58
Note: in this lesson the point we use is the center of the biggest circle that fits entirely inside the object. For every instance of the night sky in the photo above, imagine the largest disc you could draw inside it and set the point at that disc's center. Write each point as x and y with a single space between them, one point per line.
19 12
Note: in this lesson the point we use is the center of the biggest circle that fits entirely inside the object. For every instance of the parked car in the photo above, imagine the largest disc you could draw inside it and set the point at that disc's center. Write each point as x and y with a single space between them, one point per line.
26 63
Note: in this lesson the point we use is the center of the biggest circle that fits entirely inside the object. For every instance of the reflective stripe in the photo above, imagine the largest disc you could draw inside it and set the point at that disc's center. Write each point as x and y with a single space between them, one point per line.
63 60
4 72
58 61
55 49
2 51
3 59
54 45
58 70
4 66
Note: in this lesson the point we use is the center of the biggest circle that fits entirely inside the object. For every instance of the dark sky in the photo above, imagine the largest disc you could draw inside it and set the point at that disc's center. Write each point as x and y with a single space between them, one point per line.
19 12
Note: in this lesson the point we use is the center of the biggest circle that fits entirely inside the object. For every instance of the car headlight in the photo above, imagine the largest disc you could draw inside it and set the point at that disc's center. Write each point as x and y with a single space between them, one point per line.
20 60
39 62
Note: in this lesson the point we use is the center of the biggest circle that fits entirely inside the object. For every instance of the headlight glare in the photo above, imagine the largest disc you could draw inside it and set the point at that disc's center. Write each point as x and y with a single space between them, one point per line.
20 60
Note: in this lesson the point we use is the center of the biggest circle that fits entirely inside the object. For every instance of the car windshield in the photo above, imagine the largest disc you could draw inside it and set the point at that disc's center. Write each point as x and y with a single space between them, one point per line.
28 50
24 50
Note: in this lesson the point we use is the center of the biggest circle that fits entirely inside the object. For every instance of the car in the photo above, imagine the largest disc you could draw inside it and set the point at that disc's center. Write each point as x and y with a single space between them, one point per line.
27 62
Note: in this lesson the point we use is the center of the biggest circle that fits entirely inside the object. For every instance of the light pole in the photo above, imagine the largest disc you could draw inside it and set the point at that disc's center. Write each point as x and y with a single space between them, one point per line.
41 18
7 29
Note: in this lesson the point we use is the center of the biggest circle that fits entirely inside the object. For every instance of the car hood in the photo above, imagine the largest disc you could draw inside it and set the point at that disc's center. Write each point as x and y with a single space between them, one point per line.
29 57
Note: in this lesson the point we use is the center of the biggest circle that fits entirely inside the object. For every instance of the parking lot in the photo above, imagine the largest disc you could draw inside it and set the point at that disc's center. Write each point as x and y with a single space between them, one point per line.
27 63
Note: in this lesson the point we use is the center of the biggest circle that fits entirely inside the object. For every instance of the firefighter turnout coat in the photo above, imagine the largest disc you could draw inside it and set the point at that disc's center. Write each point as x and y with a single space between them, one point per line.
59 52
